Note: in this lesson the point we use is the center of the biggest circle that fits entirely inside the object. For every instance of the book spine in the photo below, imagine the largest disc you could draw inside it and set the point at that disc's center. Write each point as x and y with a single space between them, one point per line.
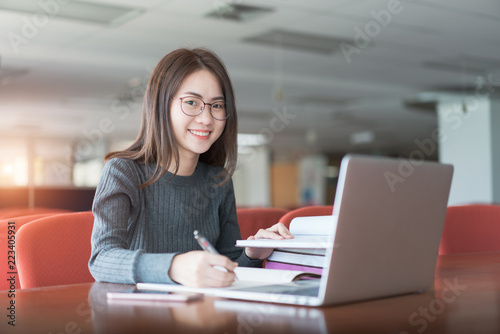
300 259
286 266
308 251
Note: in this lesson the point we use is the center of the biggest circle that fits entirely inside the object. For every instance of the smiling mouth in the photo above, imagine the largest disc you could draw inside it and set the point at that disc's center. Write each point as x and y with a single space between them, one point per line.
200 133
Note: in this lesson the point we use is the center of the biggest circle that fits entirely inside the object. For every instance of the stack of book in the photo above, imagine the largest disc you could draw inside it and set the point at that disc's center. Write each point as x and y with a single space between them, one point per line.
306 252
310 260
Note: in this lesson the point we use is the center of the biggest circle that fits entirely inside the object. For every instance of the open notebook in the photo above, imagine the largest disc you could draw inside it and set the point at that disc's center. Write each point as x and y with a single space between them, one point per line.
389 221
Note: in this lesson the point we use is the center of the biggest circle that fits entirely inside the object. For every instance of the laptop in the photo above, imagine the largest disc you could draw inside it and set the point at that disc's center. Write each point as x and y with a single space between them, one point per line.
389 219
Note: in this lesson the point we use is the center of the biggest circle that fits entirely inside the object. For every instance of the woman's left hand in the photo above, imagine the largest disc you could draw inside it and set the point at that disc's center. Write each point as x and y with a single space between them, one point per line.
276 232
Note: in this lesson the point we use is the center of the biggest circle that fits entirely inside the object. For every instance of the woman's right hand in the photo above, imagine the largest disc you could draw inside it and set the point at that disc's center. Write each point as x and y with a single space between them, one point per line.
196 269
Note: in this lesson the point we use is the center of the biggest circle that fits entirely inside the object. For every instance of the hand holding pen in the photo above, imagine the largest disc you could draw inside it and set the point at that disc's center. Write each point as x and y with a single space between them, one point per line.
207 246
196 268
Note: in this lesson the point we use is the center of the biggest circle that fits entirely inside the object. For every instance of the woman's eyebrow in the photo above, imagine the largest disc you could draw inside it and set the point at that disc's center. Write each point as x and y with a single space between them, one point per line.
217 98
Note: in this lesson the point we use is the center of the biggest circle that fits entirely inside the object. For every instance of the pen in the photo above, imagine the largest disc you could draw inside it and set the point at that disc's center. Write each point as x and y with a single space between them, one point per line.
207 246
203 242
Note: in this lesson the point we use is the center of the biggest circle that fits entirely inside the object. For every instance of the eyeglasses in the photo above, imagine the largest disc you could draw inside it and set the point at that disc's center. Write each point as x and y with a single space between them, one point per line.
194 106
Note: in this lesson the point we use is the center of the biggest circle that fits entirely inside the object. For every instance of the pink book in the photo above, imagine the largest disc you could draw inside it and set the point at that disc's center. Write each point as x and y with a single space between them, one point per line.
287 266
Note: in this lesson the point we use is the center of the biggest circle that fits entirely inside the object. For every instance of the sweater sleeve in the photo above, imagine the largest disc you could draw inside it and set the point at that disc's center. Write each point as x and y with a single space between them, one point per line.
230 231
115 207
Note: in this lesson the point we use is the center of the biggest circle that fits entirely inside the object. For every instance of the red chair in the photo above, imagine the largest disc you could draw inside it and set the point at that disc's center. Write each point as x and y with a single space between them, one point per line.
5 265
317 210
471 229
13 212
253 219
55 250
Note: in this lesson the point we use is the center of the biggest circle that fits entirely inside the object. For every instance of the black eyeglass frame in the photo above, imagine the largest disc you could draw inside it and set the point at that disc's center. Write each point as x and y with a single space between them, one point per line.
202 108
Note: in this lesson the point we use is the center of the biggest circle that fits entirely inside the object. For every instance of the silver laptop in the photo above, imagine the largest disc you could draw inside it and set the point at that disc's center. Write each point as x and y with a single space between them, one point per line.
390 215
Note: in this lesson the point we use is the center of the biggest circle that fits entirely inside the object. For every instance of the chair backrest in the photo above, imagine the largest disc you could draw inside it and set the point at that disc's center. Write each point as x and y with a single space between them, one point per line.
471 229
25 211
314 210
8 230
253 219
55 250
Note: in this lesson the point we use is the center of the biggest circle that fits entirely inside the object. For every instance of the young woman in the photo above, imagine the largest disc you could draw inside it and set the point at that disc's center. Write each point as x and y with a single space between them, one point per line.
175 178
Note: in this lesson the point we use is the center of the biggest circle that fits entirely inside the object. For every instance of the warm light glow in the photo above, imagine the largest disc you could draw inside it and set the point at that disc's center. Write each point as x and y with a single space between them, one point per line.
14 172
20 176
7 170
39 171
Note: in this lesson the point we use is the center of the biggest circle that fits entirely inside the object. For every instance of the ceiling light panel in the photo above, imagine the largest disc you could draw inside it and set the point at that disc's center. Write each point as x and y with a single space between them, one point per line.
104 14
465 64
298 41
238 12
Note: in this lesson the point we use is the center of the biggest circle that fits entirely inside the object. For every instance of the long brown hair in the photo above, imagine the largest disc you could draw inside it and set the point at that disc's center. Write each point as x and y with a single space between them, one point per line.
155 143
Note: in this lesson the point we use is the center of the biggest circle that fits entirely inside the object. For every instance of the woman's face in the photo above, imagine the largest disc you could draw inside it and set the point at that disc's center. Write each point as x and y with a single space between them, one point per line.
196 134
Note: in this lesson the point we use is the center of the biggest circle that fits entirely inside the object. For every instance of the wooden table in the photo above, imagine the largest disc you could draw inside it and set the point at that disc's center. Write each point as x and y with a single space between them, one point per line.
465 299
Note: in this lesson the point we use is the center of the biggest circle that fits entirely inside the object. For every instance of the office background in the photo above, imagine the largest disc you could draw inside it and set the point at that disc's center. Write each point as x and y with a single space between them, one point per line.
314 80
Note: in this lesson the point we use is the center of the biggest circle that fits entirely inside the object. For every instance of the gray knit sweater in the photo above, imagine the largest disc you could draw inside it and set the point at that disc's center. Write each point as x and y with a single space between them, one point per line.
137 231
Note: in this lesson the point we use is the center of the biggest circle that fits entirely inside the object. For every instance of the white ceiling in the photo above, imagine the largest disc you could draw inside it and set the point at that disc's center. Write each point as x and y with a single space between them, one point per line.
69 77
